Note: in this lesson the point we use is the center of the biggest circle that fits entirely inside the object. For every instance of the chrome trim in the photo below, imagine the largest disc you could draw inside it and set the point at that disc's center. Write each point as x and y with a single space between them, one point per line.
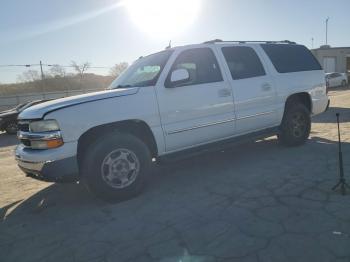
23 122
217 123
31 166
39 136
259 114
200 126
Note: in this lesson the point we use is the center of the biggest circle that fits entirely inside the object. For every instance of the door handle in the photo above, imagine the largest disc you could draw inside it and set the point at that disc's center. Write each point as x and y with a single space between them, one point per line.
224 92
266 87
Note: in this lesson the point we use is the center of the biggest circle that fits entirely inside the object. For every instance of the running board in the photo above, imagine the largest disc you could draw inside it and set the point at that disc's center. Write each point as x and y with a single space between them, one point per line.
216 146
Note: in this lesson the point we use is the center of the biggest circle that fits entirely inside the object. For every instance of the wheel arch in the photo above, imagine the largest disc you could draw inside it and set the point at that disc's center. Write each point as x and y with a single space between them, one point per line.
302 97
134 127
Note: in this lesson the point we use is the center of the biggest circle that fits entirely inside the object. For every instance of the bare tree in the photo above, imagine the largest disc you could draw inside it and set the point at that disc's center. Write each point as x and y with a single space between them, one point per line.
80 69
29 76
117 69
57 71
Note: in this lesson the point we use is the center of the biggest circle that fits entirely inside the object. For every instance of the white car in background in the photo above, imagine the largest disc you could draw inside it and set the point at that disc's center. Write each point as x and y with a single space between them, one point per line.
336 79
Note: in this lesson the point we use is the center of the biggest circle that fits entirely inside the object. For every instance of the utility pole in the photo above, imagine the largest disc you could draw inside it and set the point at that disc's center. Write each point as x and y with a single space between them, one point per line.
41 69
327 30
42 78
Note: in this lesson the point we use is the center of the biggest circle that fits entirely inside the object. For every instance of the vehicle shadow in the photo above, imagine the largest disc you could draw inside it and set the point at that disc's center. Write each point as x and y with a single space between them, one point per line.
330 115
180 193
7 140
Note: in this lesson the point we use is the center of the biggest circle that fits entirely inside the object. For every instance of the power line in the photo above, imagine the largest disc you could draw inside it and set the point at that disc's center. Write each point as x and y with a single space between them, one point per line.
49 65
27 65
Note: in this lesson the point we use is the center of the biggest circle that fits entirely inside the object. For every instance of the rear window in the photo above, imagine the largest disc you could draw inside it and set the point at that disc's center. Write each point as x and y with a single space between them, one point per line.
291 58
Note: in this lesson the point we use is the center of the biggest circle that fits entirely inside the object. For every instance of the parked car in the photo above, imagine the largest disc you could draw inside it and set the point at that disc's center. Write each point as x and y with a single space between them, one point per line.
8 118
336 79
173 103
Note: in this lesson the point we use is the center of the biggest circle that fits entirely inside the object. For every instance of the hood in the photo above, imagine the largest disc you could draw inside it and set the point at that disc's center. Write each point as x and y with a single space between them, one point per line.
38 111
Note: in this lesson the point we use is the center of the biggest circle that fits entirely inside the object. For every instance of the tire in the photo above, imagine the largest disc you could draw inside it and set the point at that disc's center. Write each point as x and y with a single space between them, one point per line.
116 167
296 125
11 128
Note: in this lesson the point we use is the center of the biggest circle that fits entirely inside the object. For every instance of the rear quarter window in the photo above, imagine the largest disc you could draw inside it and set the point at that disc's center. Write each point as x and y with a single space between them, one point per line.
291 58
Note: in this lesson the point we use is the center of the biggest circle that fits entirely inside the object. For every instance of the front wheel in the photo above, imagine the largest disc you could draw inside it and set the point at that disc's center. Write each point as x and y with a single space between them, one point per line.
116 167
296 125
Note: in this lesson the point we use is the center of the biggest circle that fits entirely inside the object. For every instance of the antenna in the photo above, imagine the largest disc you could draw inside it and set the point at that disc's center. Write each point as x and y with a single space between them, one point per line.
169 46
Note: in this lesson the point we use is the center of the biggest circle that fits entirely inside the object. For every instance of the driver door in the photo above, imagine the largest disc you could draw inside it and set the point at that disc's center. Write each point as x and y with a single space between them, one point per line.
200 109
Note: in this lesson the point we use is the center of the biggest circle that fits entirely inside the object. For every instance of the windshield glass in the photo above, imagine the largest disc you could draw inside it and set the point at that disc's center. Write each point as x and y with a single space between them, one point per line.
144 72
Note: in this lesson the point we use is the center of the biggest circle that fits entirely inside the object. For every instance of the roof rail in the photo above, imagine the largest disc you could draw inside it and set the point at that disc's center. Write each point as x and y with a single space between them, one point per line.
245 42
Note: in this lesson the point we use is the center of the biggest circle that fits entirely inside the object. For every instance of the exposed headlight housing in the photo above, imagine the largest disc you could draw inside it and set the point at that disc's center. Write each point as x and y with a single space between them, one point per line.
41 134
43 126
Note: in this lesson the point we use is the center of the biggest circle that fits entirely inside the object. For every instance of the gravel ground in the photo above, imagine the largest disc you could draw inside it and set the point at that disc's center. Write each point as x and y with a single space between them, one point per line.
255 202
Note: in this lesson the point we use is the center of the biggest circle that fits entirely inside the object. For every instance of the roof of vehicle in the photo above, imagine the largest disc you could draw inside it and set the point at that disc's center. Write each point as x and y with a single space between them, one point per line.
330 73
219 41
216 41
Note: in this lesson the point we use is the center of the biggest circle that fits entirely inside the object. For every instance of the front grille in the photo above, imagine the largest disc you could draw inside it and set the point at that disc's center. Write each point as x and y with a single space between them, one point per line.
26 142
23 126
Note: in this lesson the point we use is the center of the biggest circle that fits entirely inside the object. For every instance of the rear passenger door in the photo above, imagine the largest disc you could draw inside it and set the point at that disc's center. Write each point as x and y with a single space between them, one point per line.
253 89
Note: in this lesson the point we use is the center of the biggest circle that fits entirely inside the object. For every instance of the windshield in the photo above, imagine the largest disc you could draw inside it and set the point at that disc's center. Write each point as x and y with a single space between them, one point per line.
144 72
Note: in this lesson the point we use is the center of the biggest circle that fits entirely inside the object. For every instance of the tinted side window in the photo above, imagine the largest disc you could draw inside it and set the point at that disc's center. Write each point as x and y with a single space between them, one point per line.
201 64
291 58
243 62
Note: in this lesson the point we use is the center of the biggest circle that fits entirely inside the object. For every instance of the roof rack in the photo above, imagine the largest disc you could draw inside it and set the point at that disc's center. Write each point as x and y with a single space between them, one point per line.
245 42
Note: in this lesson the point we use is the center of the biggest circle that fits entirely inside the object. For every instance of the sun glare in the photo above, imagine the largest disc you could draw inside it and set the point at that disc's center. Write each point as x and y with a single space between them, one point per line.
163 18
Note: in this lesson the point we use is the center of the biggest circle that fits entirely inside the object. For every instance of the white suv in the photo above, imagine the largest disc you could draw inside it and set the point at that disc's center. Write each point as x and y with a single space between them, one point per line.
178 100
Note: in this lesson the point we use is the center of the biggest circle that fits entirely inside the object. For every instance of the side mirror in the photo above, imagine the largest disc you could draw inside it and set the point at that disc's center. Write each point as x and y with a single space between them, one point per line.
179 76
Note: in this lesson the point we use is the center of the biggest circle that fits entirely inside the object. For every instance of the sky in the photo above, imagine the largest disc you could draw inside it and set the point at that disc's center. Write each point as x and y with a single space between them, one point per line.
103 32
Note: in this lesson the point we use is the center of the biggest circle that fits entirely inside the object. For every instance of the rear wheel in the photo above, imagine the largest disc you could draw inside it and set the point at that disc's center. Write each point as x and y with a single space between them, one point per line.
116 166
11 128
296 125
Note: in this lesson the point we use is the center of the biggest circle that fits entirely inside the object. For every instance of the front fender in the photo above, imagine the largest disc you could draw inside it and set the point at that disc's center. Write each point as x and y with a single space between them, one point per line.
76 120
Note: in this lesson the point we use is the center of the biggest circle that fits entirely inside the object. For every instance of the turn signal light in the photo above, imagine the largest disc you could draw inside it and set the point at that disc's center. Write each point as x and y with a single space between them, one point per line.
46 144
54 143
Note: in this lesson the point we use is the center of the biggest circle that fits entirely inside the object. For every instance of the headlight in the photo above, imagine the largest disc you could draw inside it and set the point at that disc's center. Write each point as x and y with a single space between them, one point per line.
44 126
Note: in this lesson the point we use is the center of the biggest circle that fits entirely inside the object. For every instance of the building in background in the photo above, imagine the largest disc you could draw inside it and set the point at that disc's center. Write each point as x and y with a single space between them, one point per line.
333 59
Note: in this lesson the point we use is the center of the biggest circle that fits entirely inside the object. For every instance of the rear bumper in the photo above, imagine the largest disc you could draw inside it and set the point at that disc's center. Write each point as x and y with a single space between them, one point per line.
320 105
329 101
